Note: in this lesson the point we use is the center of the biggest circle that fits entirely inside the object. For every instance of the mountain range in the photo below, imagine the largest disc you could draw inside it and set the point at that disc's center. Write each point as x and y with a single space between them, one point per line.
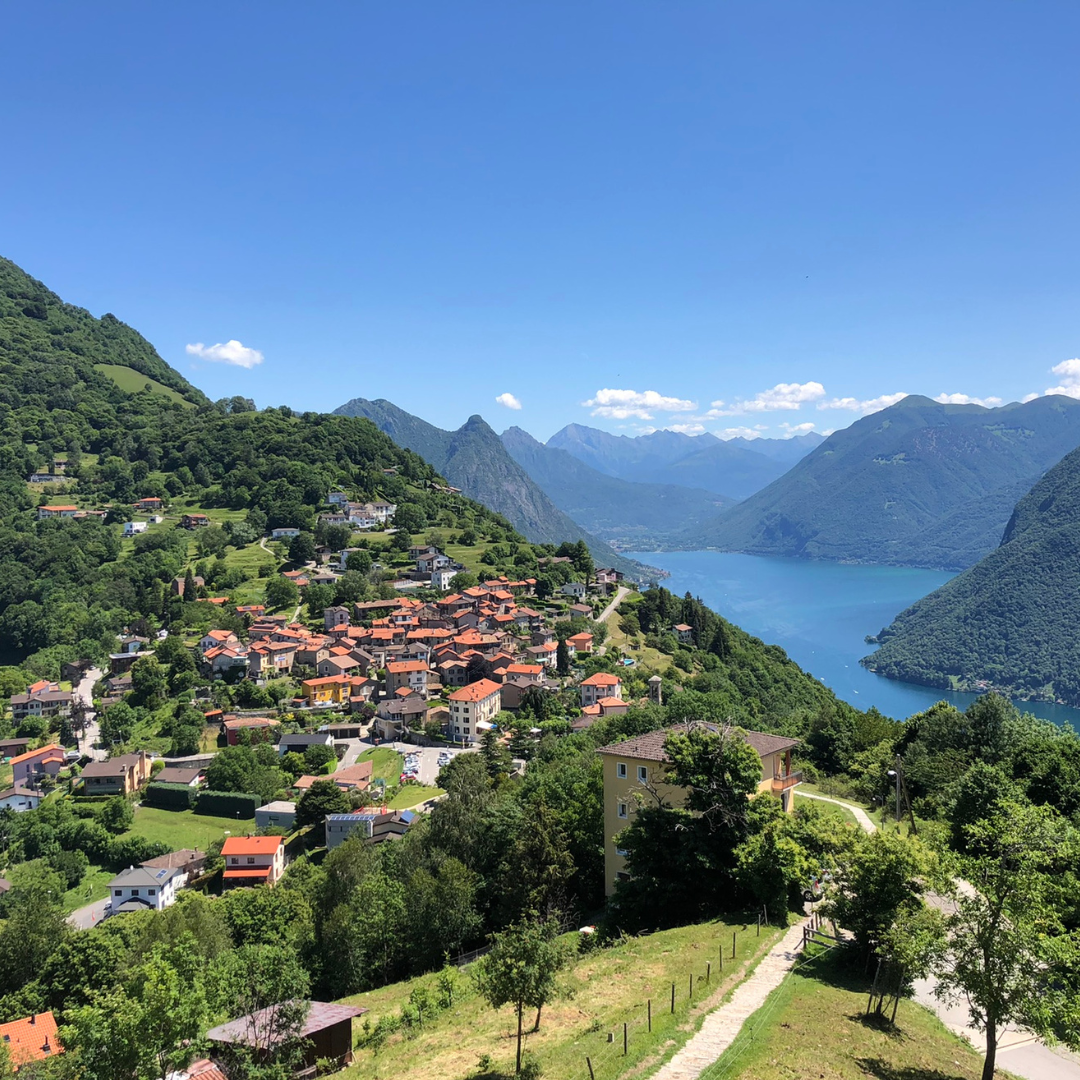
917 484
735 468
636 515
474 459
1008 622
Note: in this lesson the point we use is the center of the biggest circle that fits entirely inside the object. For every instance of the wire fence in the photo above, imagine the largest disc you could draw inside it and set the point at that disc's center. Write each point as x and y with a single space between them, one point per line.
605 1051
815 944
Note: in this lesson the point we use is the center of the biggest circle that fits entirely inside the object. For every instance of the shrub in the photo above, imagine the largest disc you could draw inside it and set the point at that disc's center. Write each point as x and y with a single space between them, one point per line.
231 804
132 850
170 796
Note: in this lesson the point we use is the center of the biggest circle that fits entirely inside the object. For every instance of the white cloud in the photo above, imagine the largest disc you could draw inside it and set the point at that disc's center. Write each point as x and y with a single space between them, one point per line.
871 405
1028 397
738 433
232 352
781 397
1069 371
686 429
791 430
966 399
624 404
508 401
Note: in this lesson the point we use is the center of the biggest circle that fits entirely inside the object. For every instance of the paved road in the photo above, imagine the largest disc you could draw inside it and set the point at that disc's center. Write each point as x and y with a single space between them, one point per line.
85 918
861 816
616 601
1018 1051
93 732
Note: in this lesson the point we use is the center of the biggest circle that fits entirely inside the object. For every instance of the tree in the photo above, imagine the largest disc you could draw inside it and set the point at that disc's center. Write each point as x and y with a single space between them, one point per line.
1008 953
522 969
319 598
882 883
118 724
117 815
148 684
770 863
248 981
282 592
322 798
302 549
318 756
35 925
562 658
495 756
359 562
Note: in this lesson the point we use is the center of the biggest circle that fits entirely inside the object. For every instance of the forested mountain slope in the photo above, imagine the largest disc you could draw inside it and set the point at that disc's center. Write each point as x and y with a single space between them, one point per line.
1010 620
48 348
636 515
733 469
474 459
918 484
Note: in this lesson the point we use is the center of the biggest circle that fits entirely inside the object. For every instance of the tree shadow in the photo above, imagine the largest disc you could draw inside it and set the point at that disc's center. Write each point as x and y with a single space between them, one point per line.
884 1070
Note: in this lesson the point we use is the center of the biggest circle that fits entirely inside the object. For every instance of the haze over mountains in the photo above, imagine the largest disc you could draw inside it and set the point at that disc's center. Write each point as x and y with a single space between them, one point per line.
635 514
917 484
1009 622
735 468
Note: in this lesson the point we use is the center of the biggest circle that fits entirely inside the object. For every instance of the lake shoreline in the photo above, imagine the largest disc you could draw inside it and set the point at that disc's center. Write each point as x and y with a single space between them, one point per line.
820 612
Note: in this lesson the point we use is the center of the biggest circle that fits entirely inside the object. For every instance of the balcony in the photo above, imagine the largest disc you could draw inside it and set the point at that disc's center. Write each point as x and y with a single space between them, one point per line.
782 783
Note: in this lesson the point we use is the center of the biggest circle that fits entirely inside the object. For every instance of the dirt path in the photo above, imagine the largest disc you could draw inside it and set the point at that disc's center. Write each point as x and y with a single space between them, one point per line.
720 1027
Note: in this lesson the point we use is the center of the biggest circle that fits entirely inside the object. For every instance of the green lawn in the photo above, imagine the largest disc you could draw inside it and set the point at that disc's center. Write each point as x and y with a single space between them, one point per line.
812 1025
93 887
831 809
386 763
184 829
411 795
131 382
605 988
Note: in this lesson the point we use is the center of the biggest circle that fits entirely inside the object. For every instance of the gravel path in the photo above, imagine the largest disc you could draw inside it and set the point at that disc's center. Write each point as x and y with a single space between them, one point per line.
721 1026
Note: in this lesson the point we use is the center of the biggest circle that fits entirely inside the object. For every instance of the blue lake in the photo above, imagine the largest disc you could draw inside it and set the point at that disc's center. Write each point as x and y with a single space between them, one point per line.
820 613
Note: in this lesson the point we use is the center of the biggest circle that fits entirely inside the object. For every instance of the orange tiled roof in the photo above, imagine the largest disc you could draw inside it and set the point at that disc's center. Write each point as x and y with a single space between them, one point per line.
601 678
251 845
31 1039
476 691
49 751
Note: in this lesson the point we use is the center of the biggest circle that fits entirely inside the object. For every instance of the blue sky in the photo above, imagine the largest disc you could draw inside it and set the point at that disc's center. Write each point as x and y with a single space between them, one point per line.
649 207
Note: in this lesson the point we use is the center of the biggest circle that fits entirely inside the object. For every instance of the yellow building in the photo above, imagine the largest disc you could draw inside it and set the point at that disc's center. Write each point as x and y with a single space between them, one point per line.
331 689
633 777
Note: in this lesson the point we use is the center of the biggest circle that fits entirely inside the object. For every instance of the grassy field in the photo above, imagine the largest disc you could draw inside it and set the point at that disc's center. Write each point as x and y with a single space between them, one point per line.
131 382
645 657
828 808
184 829
386 764
413 795
604 989
95 886
813 1026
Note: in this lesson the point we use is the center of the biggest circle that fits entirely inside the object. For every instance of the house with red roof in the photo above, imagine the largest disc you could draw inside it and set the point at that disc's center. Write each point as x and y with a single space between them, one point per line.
30 1039
477 703
27 769
601 685
253 860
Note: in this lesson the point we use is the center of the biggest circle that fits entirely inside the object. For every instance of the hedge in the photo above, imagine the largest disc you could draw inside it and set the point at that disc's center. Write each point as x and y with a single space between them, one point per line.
169 796
232 804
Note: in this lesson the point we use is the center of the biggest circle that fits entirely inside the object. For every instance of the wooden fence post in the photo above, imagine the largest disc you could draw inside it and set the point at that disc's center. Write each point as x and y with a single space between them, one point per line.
588 1062
732 944
708 974
624 1039
691 998
672 997
650 1014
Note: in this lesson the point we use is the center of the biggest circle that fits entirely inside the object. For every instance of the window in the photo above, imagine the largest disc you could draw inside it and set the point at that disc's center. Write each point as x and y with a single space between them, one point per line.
118 892
235 860
642 773
620 770
622 875
622 851
622 810
251 861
